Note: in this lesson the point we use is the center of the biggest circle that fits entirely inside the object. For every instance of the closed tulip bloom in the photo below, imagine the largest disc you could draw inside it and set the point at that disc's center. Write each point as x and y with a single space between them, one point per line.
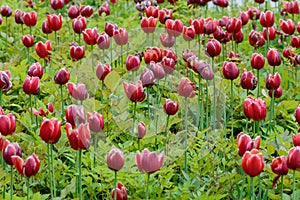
19 17
147 78
55 21
168 65
115 159
86 11
288 52
62 76
288 27
210 26
256 39
221 3
296 139
277 92
187 53
202 68
79 24
28 40
186 88
148 25
77 52
46 27
6 11
297 114
103 70
291 7
50 130
174 27
8 124
103 41
267 19
158 70
230 70
104 9
152 11
30 18
135 91
244 16
238 37
248 80
96 122
245 143
36 70
170 107
90 36
273 57
73 11
133 63
298 27
272 33
234 25
141 130
152 54
43 49
213 48
255 108
223 21
78 92
5 83
149 162
295 41
110 28
75 115
257 61
29 168
57 4
198 25
293 160
31 85
121 192
273 81
79 138
188 33
11 149
121 36
253 162
279 167
164 15
3 143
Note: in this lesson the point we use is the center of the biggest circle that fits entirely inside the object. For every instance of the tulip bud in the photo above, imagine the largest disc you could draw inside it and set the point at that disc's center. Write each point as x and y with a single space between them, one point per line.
50 130
257 61
147 78
273 81
46 27
55 21
5 83
121 36
36 70
170 107
121 192
293 158
96 122
213 48
186 88
141 130
115 159
57 4
79 138
30 18
134 91
164 15
28 40
77 52
90 36
255 108
148 25
253 162
8 124
248 80
103 70
296 139
103 41
73 11
142 160
74 115
62 76
104 9
230 70
19 17
86 11
297 114
234 25
31 85
43 49
273 57
267 19
158 70
79 24
12 149
288 27
6 11
78 92
132 63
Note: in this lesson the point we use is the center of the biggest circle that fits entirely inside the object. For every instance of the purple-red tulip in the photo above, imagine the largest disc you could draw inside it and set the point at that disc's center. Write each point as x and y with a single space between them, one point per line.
19 17
103 41
255 108
46 27
279 167
257 61
115 159
245 143
141 130
30 18
8 123
96 122
297 114
36 70
50 130
121 192
104 9
75 115
277 92
79 138
135 91
5 83
28 40
174 27
234 25
248 80
164 15
293 160
120 36
213 48
6 11
29 168
267 19
133 63
273 57
296 139
79 24
11 149
230 70
148 25
77 52
103 70
149 162
170 107
86 11
273 81
152 11
31 85
55 21
288 27
78 92
57 4
43 49
90 36
186 88
73 11
62 76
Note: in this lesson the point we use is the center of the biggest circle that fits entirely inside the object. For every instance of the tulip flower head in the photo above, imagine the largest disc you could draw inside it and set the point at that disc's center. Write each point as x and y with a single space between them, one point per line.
30 18
296 139
115 159
31 85
186 88
245 143
279 167
50 130
78 92
29 168
230 70
55 21
257 61
170 107
104 9
141 130
79 138
149 162
11 149
297 114
5 83
293 160
103 41
213 48
103 70
253 162
36 70
135 91
96 122
75 115
121 192
76 52
255 108
73 11
248 80
8 123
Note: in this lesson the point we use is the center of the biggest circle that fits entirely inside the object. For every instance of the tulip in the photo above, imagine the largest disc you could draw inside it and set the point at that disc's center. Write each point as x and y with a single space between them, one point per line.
295 41
221 3
73 11
152 11
223 21
141 130
79 24
77 52
10 150
267 19
168 65
210 26
256 39
120 36
134 91
186 54
78 92
5 83
277 92
213 48
186 88
29 168
121 192
96 122
103 41
230 70
273 81
90 36
288 52
31 85
255 108
245 143
28 40
57 4
86 11
298 27
244 16
152 54
133 63
164 15
75 115
158 70
296 139
148 24
30 18
248 80
257 61
288 27
115 159
36 70
3 143
238 37
109 28
202 68
273 57
46 27
55 21
234 25
41 112
198 25
43 49
50 130
174 27
188 33
19 17
104 9
169 53
279 167
253 162
62 76
293 162
6 11
297 114
149 162
8 124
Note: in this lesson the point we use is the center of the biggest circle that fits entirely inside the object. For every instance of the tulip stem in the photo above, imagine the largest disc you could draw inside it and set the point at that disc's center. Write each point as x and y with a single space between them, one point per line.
6 32
79 39
0 97
199 46
52 170
294 184
147 39
156 115
186 132
206 110
251 189
27 52
62 102
95 147
147 187
79 170
36 117
258 83
49 168
92 52
11 181
167 135
139 144
30 103
111 43
27 181
22 29
148 101
121 56
77 173
231 105
133 121
116 183
200 106
281 193
215 106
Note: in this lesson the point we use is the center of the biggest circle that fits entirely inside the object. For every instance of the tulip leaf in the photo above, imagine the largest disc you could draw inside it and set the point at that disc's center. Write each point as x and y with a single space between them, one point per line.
112 80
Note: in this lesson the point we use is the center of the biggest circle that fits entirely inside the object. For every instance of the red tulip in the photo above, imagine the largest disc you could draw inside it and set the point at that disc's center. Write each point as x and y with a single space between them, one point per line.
295 41
55 21
221 3
31 85
188 33
46 27
198 25
148 25
186 88
210 26
103 41
170 53
257 61
298 27
78 92
79 138
133 63
50 130
77 52
267 19
41 112
6 11
73 11
86 11
273 57
187 53
57 4
28 40
288 27
104 9
36 70
213 48
234 25
158 70
30 18
152 11
43 49
8 123
5 83
103 70
271 32
244 16
3 143
277 92
273 81
238 37
11 149
164 15
288 52
297 114
168 65
260 1
170 107
109 28
134 91
149 162
279 166
121 36
234 57
174 27
90 36
115 159
62 76
121 192
152 54
255 108
75 115
230 70
291 7
256 39
253 162
296 139
245 143
248 80
147 78
96 122
29 168
293 160
79 24
19 17
223 21
141 130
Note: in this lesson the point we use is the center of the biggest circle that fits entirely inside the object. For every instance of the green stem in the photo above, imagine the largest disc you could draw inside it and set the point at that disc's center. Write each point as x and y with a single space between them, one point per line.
294 184
258 83
30 103
80 184
1 97
214 105
22 29
251 189
147 187
77 174
52 171
247 120
133 121
92 52
148 101
186 133
11 181
175 45
206 110
147 39
281 192
199 46
111 43
6 33
55 38
139 144
49 168
95 148
27 51
27 181
36 117
79 39
62 102
200 103
121 56
231 106
115 193
167 135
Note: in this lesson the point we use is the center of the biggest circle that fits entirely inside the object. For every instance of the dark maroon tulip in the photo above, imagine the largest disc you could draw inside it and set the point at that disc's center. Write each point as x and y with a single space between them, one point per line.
259 1
78 92
57 4
115 159
12 149
186 88
213 48
149 162
297 114
295 41
174 27
201 67
50 130
79 138
210 26
244 16
291 7
169 53
273 81
152 54
288 27
257 61
8 123
255 108
188 33
147 78
245 143
167 40
103 41
158 70
198 25
279 167
230 70
148 25
121 36
36 70
273 57
6 11
234 25
293 160
75 115
30 18
277 92
187 53
104 9
248 80
43 49
133 63
62 76
135 91
221 3
29 168
46 27
110 28
295 137
298 27
86 11
77 52
73 11
164 15
288 52
272 33
31 85
90 36
219 34
121 192
223 21
96 122
19 17
5 83
28 40
168 64
238 37
79 24
256 39
152 11
267 19
55 21
103 70
170 107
